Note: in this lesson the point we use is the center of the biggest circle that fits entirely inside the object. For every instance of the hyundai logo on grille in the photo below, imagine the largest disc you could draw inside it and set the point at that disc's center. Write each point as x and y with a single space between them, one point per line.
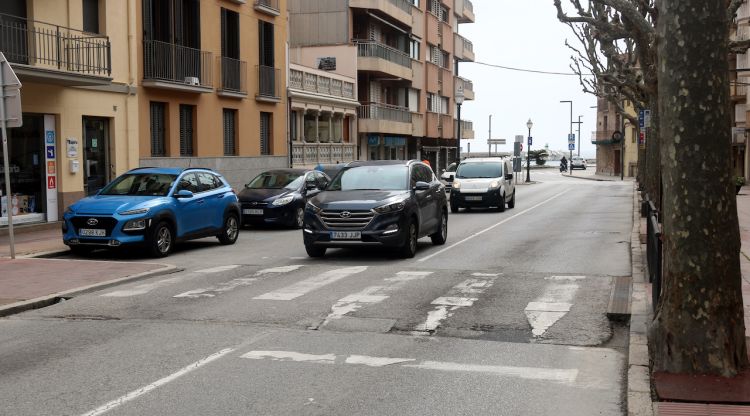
346 214
92 221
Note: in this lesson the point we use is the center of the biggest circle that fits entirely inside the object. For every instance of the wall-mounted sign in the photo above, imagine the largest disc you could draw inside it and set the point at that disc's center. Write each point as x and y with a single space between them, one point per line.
49 137
72 146
51 182
51 169
327 63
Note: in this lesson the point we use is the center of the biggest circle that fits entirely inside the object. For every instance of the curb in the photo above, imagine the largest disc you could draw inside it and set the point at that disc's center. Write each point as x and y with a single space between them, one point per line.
48 300
639 378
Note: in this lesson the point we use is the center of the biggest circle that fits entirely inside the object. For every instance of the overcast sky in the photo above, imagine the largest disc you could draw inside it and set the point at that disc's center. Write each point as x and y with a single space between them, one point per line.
523 34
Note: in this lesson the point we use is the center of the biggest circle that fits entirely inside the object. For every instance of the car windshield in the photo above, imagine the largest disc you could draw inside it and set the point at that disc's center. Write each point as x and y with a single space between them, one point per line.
276 180
480 170
382 177
141 184
451 167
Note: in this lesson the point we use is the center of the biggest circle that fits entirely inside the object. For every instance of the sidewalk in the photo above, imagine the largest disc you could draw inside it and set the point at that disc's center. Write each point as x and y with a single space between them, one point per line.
30 283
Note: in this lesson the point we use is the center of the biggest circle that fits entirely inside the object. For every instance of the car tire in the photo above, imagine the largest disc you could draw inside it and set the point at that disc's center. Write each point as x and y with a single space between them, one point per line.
409 249
313 251
299 218
230 231
501 207
81 250
441 235
454 208
512 202
161 240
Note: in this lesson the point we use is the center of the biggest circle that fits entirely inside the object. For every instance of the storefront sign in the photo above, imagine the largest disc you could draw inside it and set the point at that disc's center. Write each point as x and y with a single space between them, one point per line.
373 140
72 145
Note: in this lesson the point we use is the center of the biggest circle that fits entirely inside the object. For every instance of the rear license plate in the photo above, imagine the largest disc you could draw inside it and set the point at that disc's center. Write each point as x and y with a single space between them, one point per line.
92 232
473 198
346 235
252 211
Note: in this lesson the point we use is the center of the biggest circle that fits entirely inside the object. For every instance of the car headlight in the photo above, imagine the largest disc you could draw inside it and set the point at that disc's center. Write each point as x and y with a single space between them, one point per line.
135 225
312 207
283 201
456 184
134 211
390 207
494 184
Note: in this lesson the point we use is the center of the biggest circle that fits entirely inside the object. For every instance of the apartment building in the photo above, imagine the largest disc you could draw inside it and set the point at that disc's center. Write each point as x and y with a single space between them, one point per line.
212 85
404 57
79 113
739 76
609 150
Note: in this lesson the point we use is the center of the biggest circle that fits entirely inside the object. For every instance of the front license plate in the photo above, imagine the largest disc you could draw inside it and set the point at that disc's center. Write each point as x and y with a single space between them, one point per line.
346 235
473 198
252 211
92 232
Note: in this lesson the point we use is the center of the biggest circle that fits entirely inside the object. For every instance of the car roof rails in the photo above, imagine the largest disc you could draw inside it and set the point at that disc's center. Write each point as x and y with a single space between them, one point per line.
197 168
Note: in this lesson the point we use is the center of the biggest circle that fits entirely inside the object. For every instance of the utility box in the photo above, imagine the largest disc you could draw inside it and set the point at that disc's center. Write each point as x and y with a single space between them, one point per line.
74 166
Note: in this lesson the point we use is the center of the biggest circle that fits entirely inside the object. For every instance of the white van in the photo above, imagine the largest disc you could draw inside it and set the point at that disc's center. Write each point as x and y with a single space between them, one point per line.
483 182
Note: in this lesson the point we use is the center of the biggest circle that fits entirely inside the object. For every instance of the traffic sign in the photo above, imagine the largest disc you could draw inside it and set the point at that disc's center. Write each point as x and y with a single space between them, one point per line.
50 152
495 141
519 138
571 146
571 138
530 141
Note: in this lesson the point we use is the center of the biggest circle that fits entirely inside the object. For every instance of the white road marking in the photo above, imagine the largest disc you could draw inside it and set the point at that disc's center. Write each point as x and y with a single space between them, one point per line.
485 274
371 295
211 292
461 295
558 375
142 289
552 305
573 278
218 269
290 356
477 234
308 285
143 390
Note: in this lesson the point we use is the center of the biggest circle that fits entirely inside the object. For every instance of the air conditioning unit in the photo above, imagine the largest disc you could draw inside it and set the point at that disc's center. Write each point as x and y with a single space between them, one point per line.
192 81
738 135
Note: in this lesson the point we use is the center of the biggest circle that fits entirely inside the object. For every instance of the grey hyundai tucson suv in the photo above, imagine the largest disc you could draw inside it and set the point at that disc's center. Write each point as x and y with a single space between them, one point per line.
377 203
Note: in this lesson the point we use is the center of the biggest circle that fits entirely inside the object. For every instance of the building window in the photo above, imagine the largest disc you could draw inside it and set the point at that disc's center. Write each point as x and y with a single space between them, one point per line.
433 105
265 133
265 44
414 49
293 126
91 16
444 59
158 147
230 34
187 129
443 105
230 132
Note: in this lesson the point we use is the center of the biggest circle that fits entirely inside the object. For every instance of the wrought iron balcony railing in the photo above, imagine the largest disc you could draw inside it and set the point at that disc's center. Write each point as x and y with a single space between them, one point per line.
377 111
164 61
270 5
233 75
49 46
268 82
366 49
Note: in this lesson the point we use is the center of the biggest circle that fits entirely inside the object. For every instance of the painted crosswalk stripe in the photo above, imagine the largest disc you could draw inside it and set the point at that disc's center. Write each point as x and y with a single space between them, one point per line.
218 269
308 285
142 289
213 291
566 376
462 295
553 304
372 294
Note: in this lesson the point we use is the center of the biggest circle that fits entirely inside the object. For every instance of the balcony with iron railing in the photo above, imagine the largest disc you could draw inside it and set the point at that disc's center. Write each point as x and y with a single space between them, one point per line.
304 81
233 77
49 53
738 89
384 118
463 48
269 7
268 84
400 10
383 59
176 67
467 12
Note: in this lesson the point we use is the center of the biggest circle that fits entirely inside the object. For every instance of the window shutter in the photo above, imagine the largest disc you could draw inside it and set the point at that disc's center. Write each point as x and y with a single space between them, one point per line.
148 19
186 130
157 130
265 133
230 147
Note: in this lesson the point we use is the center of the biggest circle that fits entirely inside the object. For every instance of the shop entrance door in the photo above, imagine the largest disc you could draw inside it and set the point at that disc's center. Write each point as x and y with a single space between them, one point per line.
96 172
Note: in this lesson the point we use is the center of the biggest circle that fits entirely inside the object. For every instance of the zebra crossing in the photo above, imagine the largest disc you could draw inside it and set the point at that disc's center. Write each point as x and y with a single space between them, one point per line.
414 301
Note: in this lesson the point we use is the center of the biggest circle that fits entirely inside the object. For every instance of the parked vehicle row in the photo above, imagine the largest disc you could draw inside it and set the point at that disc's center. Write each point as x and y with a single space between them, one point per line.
367 203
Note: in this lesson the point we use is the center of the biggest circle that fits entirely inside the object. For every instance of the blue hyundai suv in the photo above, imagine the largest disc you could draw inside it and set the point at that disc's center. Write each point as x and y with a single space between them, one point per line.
155 208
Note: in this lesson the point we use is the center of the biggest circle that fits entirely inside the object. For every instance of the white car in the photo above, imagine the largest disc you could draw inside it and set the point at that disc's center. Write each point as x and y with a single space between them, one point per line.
577 162
447 176
483 182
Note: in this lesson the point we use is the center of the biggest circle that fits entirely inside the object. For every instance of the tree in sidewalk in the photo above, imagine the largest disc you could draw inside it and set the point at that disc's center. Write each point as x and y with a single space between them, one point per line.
539 156
699 325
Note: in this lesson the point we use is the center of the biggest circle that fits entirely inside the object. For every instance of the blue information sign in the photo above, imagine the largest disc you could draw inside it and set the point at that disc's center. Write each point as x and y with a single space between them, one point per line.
571 147
529 141
50 152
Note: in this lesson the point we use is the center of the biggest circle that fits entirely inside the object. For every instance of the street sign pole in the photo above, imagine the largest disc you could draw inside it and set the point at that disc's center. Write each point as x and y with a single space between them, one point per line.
6 163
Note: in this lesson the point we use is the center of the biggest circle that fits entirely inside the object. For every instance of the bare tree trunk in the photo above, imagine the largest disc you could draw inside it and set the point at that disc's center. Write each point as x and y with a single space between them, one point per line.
653 154
699 325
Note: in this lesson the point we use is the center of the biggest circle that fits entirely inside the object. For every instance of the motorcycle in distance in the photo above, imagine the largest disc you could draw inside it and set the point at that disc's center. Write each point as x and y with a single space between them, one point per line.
563 167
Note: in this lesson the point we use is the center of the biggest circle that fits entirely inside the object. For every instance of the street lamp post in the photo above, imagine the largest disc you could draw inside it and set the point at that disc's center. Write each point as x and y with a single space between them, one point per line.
529 124
459 97
579 122
571 132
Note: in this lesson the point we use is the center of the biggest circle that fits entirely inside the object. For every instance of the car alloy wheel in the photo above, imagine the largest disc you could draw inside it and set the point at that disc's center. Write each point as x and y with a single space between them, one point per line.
160 241
231 230
441 235
164 240
409 249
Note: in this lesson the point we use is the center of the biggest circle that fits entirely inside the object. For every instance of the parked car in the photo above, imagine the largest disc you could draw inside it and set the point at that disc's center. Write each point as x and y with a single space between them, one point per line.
447 175
483 182
155 208
378 203
577 162
278 196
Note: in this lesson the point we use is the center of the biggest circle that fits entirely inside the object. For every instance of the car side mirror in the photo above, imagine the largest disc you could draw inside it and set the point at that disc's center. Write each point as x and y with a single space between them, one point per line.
421 186
311 186
442 171
509 176
183 193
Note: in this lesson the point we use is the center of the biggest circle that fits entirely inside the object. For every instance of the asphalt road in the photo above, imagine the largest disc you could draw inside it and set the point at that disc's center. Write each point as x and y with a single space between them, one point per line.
507 318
